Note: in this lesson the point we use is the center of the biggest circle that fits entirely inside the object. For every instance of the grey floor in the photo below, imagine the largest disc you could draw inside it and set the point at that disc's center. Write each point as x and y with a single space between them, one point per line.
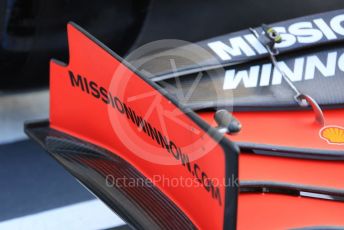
31 182
35 191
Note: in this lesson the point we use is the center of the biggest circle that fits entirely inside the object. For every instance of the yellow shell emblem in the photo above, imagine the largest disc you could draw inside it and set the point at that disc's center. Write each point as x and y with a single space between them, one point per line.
333 134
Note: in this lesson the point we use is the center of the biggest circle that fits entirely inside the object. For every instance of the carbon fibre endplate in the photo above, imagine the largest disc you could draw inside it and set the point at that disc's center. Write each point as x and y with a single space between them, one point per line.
142 206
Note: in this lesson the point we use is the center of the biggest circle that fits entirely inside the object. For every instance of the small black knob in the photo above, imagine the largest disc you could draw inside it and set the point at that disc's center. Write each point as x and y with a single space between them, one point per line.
226 121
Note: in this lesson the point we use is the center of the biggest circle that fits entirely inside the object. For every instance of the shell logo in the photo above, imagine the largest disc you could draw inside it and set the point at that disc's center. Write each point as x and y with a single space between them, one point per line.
333 134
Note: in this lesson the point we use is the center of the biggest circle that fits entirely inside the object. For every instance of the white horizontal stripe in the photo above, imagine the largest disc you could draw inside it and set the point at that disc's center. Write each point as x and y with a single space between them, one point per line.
316 195
91 214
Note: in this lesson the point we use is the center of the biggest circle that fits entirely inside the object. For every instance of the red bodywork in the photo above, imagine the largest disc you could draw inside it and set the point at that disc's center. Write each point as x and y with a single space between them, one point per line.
77 112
